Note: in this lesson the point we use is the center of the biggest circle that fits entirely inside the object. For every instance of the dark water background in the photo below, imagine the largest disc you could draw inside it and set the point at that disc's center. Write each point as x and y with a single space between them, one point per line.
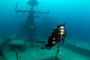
75 13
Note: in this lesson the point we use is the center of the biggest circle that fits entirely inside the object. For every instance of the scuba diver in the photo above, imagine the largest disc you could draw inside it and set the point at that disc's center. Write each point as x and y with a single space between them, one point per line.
56 36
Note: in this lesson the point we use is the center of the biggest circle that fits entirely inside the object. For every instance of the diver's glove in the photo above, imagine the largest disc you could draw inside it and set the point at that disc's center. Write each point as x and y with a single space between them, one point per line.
53 38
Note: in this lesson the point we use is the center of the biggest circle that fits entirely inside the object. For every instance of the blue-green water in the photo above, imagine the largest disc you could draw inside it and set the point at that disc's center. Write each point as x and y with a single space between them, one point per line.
75 13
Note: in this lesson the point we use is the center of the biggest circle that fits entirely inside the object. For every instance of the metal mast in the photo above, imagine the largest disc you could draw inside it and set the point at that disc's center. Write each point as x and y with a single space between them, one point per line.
30 20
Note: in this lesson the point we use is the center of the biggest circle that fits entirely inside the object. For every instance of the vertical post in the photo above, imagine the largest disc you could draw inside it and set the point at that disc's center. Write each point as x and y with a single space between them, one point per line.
57 49
16 55
32 29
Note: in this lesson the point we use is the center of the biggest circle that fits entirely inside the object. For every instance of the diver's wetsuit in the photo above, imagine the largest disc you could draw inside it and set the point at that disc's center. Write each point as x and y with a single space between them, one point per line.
55 36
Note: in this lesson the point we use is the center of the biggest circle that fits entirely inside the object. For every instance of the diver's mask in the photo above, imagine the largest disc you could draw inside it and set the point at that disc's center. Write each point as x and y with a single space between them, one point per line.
61 29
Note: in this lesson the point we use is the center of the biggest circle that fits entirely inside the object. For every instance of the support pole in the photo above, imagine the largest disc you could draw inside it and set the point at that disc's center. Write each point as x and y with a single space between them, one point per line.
16 54
57 49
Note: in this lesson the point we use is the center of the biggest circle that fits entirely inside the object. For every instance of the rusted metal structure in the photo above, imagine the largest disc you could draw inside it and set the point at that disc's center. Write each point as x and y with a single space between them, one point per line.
30 22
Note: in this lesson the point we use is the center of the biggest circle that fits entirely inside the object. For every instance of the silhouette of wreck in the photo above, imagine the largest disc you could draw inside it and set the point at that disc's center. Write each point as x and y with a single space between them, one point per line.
30 21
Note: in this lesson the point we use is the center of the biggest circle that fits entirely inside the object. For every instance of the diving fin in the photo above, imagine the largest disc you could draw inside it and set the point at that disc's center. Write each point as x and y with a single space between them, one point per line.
43 47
